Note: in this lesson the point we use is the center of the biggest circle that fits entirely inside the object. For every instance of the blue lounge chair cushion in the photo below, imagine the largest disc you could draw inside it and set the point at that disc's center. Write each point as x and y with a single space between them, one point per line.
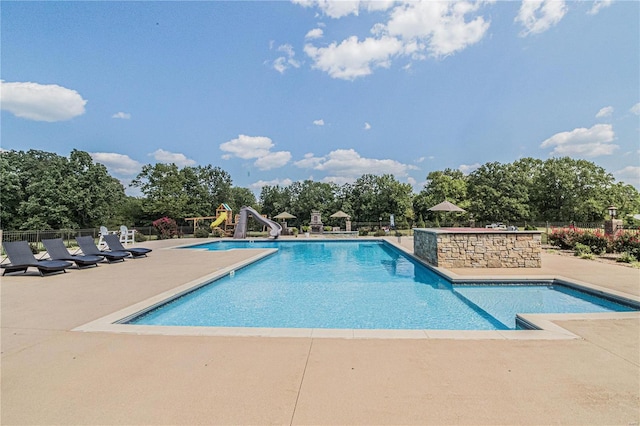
89 248
114 244
57 251
21 258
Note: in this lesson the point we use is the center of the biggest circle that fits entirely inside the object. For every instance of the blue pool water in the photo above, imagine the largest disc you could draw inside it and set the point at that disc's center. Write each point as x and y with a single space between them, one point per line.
358 285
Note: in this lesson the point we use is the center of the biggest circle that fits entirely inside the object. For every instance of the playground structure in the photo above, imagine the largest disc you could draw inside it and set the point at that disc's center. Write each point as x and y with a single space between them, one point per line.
241 224
223 220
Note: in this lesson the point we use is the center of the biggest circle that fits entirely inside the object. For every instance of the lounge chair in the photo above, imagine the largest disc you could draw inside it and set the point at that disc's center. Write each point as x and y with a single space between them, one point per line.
21 258
89 248
57 251
115 245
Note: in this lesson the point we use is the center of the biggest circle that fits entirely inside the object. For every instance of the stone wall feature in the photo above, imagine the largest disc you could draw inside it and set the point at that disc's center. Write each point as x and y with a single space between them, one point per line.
478 248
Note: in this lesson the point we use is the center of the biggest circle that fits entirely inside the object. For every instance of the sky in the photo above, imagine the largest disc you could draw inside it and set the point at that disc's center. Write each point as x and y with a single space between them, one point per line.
275 92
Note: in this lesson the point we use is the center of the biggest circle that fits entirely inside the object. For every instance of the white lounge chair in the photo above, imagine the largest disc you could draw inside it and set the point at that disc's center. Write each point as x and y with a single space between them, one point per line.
127 235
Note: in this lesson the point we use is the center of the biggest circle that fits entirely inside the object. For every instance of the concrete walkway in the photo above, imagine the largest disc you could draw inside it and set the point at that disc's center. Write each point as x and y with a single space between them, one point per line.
52 375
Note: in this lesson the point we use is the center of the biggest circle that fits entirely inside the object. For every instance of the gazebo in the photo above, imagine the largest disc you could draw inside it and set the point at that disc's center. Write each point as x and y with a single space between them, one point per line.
341 214
284 216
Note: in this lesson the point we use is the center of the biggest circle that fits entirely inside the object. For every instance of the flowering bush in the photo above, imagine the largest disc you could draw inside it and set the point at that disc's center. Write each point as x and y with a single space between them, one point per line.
166 227
567 238
627 242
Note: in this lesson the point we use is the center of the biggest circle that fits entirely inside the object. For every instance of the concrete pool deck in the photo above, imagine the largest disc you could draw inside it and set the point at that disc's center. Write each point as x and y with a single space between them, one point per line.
52 375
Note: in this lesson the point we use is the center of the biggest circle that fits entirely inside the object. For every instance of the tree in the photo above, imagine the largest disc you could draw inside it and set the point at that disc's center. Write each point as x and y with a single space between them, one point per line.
449 184
498 192
94 195
307 196
274 199
48 191
164 188
181 193
571 190
241 197
374 197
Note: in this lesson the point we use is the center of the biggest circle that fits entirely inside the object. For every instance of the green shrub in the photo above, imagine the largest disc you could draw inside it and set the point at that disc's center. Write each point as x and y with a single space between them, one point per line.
379 233
140 238
581 249
34 248
530 228
201 233
626 257
363 232
327 229
218 233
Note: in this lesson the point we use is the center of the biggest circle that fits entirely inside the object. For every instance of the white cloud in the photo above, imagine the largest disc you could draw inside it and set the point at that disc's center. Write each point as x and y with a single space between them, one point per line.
592 142
283 63
275 182
273 160
630 175
415 29
162 156
346 163
41 102
314 33
333 9
411 181
309 161
122 115
341 8
635 109
599 5
318 122
248 147
438 26
339 180
353 58
537 16
605 112
367 126
117 164
468 168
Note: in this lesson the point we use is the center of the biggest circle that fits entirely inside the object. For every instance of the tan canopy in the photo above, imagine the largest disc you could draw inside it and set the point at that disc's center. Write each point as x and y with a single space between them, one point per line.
339 214
446 206
284 215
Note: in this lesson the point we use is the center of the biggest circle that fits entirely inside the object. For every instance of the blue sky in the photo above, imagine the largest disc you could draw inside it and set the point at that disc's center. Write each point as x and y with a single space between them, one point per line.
274 91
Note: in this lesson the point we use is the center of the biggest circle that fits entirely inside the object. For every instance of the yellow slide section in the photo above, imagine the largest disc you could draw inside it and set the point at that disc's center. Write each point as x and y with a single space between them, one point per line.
219 220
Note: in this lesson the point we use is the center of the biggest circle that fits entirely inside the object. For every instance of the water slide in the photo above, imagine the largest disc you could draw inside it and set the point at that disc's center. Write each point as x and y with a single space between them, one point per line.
241 226
219 220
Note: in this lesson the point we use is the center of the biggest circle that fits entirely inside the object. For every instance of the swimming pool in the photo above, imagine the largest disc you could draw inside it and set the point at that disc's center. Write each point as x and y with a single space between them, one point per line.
357 285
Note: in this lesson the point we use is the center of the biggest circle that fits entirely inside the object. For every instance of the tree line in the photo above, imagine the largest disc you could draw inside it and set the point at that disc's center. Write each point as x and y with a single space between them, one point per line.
42 190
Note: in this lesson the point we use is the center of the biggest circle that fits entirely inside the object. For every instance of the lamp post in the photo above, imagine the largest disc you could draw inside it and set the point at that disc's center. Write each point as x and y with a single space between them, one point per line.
380 222
612 225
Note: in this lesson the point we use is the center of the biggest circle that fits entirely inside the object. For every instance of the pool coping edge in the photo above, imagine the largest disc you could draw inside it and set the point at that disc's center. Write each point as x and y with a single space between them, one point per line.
541 326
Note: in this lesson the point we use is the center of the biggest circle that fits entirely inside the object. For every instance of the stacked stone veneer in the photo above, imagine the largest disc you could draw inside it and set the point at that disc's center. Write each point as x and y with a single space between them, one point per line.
479 249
